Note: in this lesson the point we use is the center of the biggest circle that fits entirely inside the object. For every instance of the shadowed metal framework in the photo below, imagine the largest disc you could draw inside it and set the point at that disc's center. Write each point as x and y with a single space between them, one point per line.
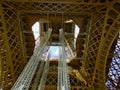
99 22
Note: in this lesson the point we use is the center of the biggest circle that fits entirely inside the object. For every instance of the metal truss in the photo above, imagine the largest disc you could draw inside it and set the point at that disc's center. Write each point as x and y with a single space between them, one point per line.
105 25
63 76
27 74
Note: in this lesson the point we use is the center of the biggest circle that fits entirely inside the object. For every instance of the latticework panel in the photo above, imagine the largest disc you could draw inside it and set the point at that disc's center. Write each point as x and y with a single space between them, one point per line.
111 29
12 54
94 37
38 7
6 69
102 33
89 40
52 76
76 84
13 34
52 80
28 38
66 1
81 45
0 49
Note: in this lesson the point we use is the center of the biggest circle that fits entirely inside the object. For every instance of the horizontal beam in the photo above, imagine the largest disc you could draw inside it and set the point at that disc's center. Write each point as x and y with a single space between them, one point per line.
60 1
32 12
27 32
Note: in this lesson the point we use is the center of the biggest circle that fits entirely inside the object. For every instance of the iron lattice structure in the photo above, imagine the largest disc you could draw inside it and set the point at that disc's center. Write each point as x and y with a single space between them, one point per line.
99 19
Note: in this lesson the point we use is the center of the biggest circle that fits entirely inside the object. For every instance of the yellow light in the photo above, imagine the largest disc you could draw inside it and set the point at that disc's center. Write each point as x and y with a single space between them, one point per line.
68 21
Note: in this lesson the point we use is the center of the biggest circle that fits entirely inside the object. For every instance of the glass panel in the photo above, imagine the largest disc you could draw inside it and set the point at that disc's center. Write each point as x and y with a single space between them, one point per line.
114 76
54 52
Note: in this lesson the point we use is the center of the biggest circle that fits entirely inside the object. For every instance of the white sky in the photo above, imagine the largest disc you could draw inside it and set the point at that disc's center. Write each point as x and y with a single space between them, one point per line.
54 50
36 30
77 29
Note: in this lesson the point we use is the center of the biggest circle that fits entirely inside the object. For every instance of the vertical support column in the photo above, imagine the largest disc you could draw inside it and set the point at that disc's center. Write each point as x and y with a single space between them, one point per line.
21 41
24 80
0 69
0 49
5 54
63 76
109 33
45 72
